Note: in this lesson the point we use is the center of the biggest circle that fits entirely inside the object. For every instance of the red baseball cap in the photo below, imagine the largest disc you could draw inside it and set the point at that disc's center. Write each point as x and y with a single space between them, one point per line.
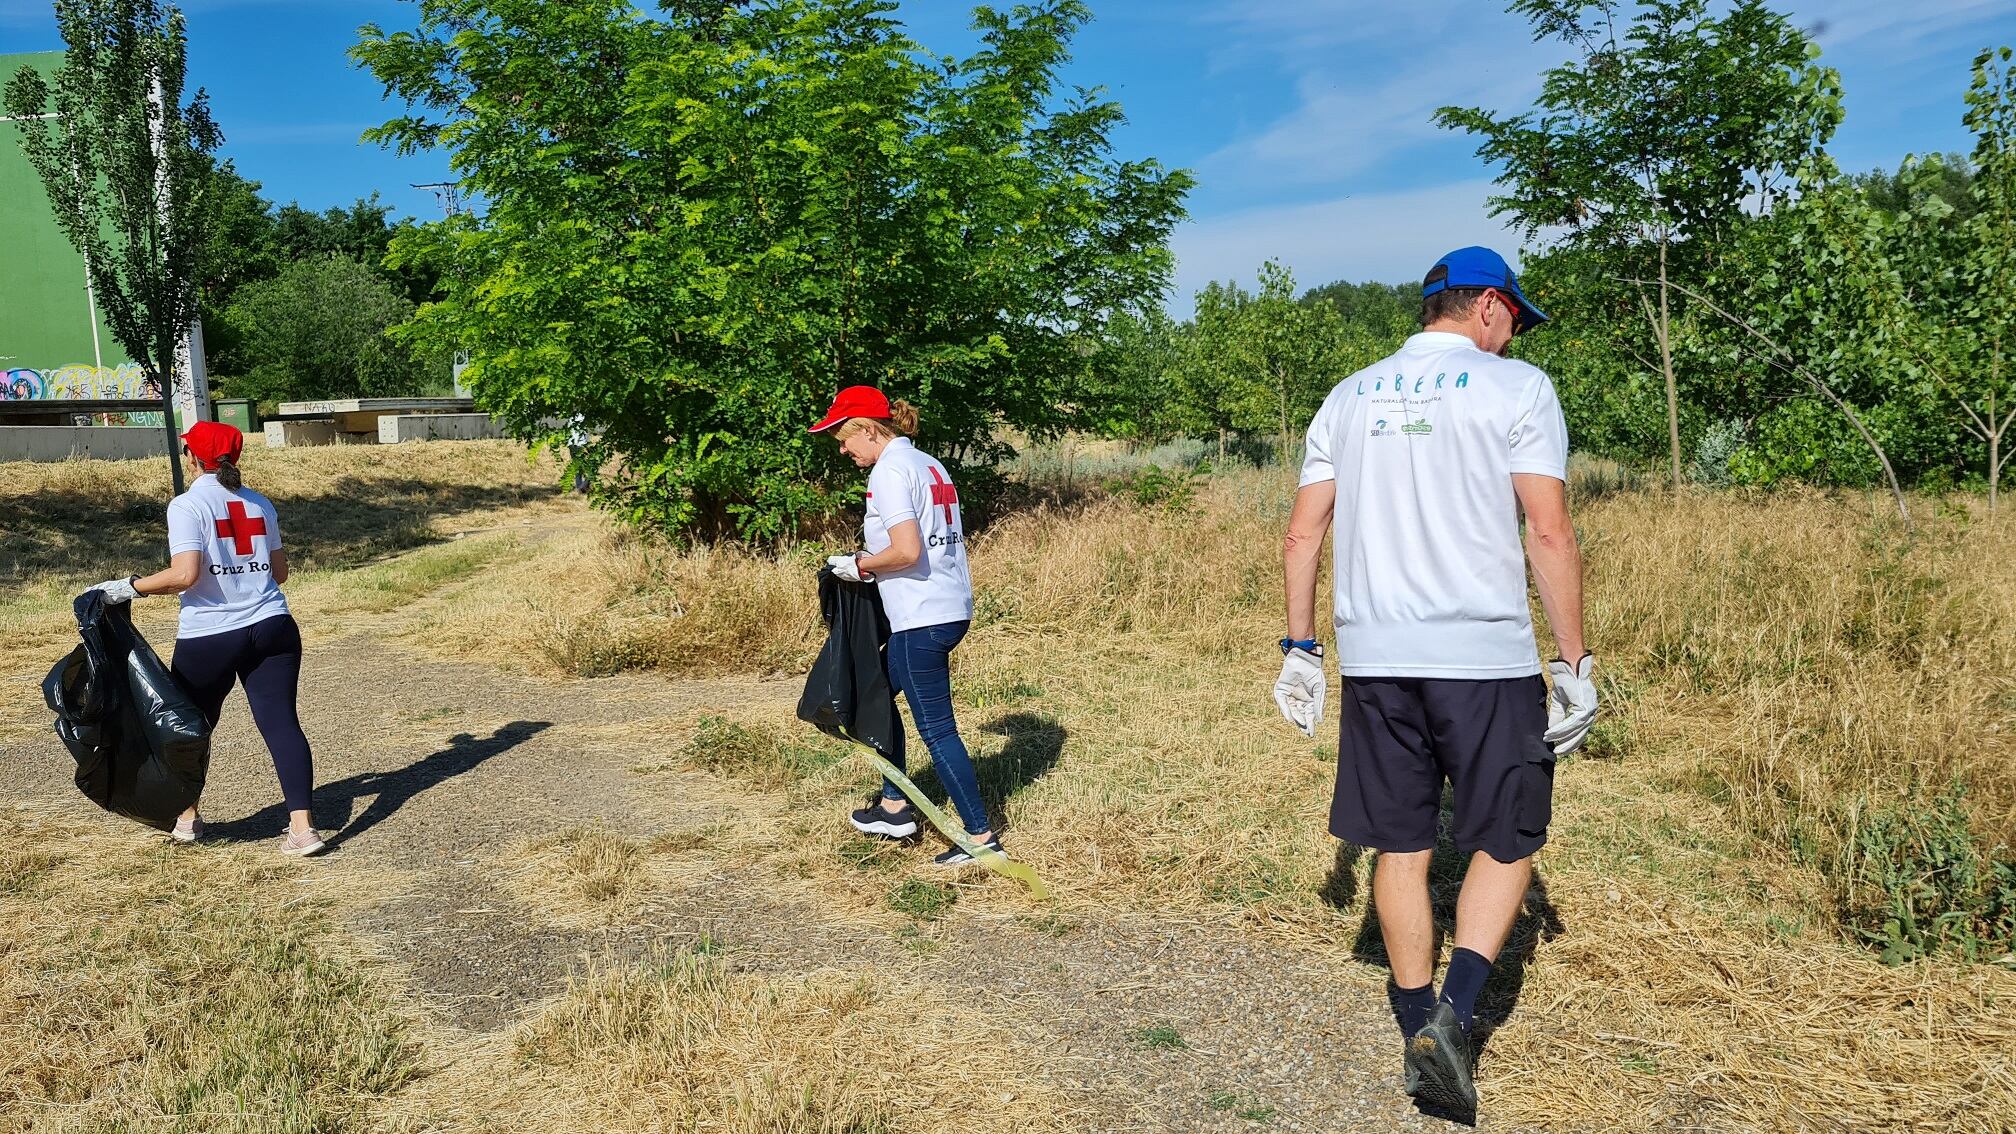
854 401
212 441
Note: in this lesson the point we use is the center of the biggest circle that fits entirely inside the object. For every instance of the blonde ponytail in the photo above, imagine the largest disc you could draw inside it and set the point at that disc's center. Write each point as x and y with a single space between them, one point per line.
903 416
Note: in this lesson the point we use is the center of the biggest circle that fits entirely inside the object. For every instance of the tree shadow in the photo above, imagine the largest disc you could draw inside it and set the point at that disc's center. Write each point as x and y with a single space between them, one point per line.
114 528
336 802
1035 744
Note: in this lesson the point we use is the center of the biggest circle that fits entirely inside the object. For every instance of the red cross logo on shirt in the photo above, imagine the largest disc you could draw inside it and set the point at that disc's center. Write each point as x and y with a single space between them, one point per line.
240 528
943 494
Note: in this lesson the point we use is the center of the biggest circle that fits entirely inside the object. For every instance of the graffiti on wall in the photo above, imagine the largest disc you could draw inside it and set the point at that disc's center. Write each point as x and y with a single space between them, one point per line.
83 382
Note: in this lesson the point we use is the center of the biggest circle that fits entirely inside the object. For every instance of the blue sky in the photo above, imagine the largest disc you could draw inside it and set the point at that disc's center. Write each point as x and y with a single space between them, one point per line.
1306 121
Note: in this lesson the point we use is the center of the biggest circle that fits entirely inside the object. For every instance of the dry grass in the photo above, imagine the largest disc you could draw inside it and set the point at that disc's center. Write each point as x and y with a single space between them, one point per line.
687 1043
1777 668
1794 690
146 989
592 877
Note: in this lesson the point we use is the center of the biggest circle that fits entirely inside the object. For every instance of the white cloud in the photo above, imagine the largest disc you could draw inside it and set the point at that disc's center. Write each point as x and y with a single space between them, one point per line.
1368 78
1902 29
1392 237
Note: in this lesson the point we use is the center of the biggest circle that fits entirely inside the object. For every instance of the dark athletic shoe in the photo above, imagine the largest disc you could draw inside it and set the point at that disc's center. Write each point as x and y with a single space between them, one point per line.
957 856
1441 1066
883 823
1413 1072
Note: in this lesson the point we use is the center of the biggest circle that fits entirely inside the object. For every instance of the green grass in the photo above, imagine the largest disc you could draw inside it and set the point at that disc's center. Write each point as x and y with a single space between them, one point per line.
925 901
386 586
1160 1037
756 754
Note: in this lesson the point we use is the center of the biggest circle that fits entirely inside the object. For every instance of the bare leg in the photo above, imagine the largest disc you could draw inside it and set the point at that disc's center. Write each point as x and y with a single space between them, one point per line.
1492 894
1400 893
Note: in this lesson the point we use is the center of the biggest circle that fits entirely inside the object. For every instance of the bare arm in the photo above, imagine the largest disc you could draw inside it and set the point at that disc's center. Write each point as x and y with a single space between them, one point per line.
279 558
1302 551
184 568
906 546
1556 558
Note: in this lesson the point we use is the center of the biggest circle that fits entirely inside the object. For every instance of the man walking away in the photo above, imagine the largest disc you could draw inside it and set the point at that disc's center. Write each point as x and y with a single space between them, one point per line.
1425 460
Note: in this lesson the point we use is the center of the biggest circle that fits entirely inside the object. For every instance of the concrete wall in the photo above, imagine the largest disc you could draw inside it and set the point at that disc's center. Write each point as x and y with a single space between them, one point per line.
436 427
61 442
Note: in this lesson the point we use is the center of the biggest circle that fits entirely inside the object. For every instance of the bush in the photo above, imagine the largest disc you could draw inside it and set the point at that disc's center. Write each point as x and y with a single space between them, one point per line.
1933 887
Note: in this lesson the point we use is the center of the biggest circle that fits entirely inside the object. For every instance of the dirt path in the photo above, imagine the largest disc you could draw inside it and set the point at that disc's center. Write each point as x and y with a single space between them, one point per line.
437 772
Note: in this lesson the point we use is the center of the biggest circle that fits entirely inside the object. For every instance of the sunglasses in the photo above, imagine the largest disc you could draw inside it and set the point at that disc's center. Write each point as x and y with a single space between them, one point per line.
1521 320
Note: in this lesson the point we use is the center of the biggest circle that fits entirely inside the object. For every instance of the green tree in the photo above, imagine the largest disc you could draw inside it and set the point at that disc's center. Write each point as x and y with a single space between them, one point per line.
1653 143
1382 311
1262 362
699 225
318 330
1978 329
126 164
1134 380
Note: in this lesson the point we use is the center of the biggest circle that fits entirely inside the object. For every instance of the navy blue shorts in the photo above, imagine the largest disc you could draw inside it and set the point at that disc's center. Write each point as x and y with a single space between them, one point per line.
1403 737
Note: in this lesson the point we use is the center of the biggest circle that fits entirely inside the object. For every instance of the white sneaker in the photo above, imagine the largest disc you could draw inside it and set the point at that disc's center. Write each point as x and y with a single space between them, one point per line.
301 846
189 832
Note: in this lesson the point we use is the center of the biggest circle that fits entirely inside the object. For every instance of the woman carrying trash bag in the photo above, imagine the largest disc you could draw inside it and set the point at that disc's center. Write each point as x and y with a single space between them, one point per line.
226 562
916 557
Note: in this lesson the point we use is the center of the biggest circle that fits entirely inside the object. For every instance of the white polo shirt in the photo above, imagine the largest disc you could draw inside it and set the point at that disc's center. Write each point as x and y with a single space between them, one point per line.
1430 570
237 532
907 484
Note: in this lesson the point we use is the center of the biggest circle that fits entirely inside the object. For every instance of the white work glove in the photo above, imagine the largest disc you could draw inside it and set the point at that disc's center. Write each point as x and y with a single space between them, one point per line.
845 567
117 591
1571 707
1300 690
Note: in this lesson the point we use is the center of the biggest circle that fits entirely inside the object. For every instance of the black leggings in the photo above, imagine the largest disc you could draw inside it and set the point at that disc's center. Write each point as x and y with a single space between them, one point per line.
266 658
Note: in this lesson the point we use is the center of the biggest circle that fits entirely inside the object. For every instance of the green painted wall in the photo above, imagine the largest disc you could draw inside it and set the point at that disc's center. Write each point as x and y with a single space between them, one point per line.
45 312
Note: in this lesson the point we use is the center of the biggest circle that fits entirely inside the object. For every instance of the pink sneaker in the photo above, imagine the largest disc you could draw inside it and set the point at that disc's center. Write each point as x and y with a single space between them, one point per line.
189 832
302 845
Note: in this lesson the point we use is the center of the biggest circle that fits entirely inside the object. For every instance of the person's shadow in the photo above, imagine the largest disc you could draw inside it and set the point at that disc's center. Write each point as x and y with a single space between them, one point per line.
1035 744
1538 922
336 801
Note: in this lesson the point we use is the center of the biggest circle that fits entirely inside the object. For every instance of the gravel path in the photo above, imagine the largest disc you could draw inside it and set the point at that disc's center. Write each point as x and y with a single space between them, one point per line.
435 772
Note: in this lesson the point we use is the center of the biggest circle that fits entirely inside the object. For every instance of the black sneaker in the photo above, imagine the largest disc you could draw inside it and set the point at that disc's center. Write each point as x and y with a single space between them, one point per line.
957 856
881 822
1441 1065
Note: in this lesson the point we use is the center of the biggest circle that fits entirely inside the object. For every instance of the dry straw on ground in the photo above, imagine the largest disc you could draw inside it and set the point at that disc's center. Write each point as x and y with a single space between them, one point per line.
685 1042
1778 669
1776 666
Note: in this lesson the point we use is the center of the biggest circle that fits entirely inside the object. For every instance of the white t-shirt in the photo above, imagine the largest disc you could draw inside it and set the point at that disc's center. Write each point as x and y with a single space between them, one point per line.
906 484
1430 572
237 532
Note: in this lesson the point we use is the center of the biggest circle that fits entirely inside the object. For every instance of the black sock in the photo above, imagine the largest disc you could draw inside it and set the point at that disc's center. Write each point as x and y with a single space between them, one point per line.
1410 1006
1465 979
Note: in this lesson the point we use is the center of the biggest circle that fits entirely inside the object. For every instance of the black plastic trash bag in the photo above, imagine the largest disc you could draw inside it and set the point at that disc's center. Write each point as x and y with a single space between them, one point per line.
847 694
142 746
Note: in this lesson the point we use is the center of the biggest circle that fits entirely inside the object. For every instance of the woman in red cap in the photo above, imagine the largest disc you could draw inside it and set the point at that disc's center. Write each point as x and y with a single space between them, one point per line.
226 563
916 557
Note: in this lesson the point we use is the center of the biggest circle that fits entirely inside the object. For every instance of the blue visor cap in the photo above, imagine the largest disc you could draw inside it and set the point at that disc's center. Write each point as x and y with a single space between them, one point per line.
1480 267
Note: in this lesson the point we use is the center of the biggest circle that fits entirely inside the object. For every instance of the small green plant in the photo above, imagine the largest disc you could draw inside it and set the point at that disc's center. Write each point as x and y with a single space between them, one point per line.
1153 486
1640 1063
1050 925
997 689
1160 1037
1223 1100
1257 1114
1930 886
867 854
925 901
757 755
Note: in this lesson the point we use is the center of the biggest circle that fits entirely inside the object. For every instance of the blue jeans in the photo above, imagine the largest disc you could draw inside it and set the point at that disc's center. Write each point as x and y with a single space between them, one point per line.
920 667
